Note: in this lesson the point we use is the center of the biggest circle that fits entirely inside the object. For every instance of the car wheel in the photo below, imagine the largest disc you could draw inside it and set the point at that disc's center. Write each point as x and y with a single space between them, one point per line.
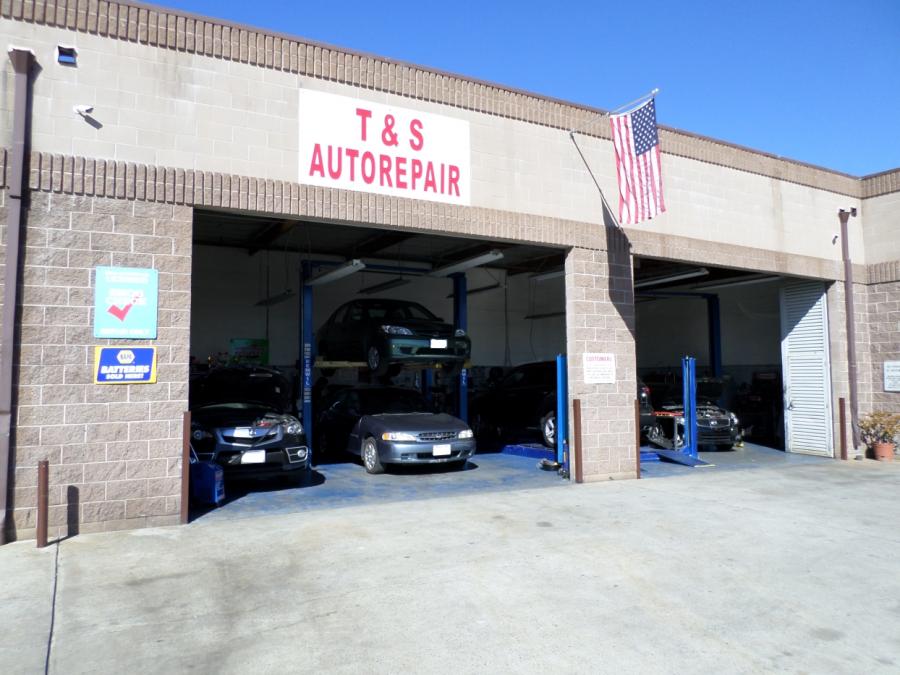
548 429
376 363
370 457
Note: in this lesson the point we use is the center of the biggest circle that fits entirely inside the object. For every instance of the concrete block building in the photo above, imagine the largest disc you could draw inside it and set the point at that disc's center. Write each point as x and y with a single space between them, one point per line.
139 137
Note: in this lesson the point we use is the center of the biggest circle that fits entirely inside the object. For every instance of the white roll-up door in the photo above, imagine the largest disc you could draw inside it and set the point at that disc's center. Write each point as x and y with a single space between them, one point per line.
806 364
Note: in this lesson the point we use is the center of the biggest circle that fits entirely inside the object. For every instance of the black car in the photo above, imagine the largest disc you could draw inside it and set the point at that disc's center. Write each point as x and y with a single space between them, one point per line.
523 401
716 426
389 332
391 425
240 419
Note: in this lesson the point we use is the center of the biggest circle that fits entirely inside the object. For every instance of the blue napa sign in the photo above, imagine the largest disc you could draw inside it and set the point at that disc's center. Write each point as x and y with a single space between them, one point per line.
124 365
126 300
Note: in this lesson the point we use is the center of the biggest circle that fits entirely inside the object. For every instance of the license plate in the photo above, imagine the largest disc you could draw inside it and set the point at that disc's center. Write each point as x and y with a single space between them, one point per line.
253 457
441 450
243 432
439 344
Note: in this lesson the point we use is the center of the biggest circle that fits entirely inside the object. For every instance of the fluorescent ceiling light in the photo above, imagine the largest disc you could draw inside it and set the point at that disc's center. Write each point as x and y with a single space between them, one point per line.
275 299
383 286
464 265
351 267
678 276
738 281
544 276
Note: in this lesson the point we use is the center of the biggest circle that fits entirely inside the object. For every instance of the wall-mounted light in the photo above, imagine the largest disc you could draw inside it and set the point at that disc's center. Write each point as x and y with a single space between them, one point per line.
83 109
66 55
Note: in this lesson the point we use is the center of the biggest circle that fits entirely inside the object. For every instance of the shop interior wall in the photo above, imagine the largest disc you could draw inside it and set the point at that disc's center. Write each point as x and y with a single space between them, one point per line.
669 328
227 284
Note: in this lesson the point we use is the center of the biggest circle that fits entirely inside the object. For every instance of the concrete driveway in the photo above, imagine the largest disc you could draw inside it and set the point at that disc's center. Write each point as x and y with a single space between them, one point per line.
787 569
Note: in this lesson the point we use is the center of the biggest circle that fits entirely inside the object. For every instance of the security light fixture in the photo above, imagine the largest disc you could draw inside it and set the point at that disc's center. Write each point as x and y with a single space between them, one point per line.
66 55
544 276
83 110
346 270
464 265
668 278
383 286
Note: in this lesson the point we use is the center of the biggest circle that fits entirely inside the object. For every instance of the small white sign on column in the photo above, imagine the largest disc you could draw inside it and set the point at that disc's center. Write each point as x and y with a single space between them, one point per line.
599 368
892 375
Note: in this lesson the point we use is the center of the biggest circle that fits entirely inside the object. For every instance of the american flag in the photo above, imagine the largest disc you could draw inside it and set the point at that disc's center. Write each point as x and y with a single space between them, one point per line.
637 164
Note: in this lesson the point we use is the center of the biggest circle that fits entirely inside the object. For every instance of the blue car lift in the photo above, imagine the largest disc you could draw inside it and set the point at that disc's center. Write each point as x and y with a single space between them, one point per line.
308 350
687 454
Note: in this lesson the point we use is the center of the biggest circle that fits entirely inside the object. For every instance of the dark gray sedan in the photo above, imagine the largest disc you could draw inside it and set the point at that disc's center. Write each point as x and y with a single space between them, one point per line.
392 425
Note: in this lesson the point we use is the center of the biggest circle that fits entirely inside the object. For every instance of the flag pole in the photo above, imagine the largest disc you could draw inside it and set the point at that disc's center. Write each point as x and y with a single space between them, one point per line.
599 189
639 99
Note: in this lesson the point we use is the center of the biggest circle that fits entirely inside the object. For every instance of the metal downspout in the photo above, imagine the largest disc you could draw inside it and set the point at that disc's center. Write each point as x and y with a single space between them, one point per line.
849 310
22 61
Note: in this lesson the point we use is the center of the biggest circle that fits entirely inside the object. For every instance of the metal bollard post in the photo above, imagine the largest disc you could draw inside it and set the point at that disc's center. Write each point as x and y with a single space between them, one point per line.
42 497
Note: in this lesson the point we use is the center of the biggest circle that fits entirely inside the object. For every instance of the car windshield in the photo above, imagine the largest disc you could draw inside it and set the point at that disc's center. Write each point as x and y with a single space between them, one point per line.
391 402
384 310
237 385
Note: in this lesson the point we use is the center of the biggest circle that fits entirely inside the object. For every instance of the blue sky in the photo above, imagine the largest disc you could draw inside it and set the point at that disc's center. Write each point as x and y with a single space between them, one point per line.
814 81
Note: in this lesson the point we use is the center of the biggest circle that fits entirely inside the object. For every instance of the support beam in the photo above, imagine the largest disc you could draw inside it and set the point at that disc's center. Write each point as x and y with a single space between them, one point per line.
307 354
714 325
372 246
269 235
460 322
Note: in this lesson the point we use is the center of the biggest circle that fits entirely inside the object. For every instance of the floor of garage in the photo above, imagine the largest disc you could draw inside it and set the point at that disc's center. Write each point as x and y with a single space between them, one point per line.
347 484
751 456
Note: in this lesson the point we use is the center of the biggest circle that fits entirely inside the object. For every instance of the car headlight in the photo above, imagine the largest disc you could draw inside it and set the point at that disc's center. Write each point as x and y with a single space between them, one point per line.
293 427
397 436
396 330
200 434
734 419
466 433
459 332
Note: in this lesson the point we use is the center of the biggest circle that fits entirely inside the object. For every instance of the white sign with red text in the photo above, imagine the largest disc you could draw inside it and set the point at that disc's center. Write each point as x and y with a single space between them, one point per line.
599 368
353 144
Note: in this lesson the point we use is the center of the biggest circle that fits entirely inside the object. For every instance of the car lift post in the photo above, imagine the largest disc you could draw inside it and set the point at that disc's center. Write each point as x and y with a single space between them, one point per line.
689 379
460 322
307 351
562 412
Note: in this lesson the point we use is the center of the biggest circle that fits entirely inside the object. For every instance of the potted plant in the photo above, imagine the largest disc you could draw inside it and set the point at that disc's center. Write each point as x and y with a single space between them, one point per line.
878 431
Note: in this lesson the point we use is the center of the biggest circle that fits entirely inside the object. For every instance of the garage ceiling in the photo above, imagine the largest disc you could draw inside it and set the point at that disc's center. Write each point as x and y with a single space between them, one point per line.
255 233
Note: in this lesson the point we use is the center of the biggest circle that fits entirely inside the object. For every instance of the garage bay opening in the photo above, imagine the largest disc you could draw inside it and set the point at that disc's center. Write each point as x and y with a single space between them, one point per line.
333 362
760 341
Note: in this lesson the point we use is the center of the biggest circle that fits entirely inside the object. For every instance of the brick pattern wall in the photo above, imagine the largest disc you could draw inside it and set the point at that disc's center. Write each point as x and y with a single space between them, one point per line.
883 305
840 380
177 31
600 318
114 450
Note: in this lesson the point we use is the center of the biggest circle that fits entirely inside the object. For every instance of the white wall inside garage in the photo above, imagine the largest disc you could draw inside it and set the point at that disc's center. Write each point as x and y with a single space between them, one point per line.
227 283
670 328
